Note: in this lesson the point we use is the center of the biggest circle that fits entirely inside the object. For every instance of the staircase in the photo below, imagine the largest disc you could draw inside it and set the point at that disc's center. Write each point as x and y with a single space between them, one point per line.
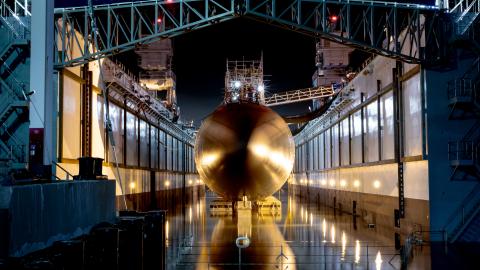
14 81
465 13
463 95
463 224
472 232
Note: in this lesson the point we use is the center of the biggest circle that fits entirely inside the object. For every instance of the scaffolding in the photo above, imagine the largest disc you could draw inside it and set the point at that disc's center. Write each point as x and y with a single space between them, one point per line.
244 81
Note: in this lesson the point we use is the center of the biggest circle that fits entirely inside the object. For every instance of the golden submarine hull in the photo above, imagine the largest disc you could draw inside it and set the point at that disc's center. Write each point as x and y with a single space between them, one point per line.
244 149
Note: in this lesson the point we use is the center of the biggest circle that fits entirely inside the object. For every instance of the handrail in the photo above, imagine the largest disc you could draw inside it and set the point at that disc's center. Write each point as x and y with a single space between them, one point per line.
459 213
63 169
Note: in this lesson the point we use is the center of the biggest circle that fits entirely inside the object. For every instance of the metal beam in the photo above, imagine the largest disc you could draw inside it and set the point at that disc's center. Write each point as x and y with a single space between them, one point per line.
391 29
409 32
122 26
299 95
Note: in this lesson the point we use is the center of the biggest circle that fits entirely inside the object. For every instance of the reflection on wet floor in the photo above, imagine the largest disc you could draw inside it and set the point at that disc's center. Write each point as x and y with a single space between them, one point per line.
305 236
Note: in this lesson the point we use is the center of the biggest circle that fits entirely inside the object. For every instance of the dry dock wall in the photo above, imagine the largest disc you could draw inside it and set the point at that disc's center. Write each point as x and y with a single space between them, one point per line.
350 155
33 217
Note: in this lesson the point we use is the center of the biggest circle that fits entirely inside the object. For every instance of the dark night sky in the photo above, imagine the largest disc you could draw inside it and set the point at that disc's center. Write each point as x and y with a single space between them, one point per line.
199 61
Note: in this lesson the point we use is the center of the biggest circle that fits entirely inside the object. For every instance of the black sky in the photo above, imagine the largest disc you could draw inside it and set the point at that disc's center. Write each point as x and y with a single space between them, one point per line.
200 59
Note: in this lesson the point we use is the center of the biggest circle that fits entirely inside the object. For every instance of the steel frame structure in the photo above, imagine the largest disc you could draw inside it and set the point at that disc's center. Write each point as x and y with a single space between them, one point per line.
298 95
121 27
391 29
409 32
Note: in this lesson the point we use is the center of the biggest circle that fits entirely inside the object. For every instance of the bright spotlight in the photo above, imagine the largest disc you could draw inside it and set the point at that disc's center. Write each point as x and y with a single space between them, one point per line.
261 88
237 84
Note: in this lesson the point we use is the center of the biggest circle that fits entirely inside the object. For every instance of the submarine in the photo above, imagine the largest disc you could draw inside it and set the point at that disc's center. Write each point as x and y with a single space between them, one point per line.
244 150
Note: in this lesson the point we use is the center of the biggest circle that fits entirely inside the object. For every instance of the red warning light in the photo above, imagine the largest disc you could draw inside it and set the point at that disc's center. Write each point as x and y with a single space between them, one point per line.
334 18
159 20
169 1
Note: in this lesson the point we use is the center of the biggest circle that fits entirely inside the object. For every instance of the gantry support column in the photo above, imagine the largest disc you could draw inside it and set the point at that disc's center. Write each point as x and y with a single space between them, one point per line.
43 112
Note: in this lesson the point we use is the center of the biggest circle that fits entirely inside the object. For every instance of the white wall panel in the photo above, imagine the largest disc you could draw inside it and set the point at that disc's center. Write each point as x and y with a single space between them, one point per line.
154 147
328 148
335 146
344 143
356 131
371 132
180 155
175 154
416 180
413 116
383 71
116 118
98 127
386 111
162 149
169 152
379 179
132 140
144 144
310 155
71 133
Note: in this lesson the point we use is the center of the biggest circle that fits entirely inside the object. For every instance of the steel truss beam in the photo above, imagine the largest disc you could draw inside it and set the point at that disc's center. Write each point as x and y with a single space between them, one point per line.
409 32
299 95
122 26
391 29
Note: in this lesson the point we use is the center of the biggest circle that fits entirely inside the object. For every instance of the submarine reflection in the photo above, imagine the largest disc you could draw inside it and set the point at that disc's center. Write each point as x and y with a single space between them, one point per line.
267 250
305 236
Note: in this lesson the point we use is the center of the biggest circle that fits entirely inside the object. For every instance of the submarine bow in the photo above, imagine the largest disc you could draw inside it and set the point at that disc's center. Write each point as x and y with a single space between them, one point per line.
244 149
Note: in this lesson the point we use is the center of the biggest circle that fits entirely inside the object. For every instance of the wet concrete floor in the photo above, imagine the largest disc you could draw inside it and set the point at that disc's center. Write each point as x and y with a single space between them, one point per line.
304 236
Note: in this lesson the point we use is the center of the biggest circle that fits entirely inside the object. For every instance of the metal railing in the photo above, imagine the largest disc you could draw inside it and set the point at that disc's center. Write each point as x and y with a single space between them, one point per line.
114 73
64 170
16 16
461 88
463 214
285 256
299 95
462 6
15 153
463 150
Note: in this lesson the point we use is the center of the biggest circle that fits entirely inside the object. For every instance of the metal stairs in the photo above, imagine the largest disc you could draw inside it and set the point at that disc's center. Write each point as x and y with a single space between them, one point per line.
14 103
464 223
6 52
472 232
464 102
464 12
463 156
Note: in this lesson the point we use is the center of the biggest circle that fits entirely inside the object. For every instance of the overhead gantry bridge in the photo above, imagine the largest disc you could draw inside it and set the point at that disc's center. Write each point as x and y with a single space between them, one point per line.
409 32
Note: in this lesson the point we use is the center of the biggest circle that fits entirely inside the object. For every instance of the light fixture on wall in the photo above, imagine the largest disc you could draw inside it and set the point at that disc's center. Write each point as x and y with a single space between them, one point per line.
356 183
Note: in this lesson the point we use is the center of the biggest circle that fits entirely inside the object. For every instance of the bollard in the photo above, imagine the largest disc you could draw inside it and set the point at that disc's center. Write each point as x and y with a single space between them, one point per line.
131 242
101 248
70 254
154 240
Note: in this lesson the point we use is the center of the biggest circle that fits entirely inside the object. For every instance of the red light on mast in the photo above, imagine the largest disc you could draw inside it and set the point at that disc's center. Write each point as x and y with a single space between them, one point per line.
159 20
334 18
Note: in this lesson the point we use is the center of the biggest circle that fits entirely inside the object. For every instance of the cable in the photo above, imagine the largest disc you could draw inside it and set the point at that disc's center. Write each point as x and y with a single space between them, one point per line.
108 123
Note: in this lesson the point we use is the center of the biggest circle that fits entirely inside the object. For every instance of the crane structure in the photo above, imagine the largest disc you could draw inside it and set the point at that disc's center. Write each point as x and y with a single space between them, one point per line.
409 32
